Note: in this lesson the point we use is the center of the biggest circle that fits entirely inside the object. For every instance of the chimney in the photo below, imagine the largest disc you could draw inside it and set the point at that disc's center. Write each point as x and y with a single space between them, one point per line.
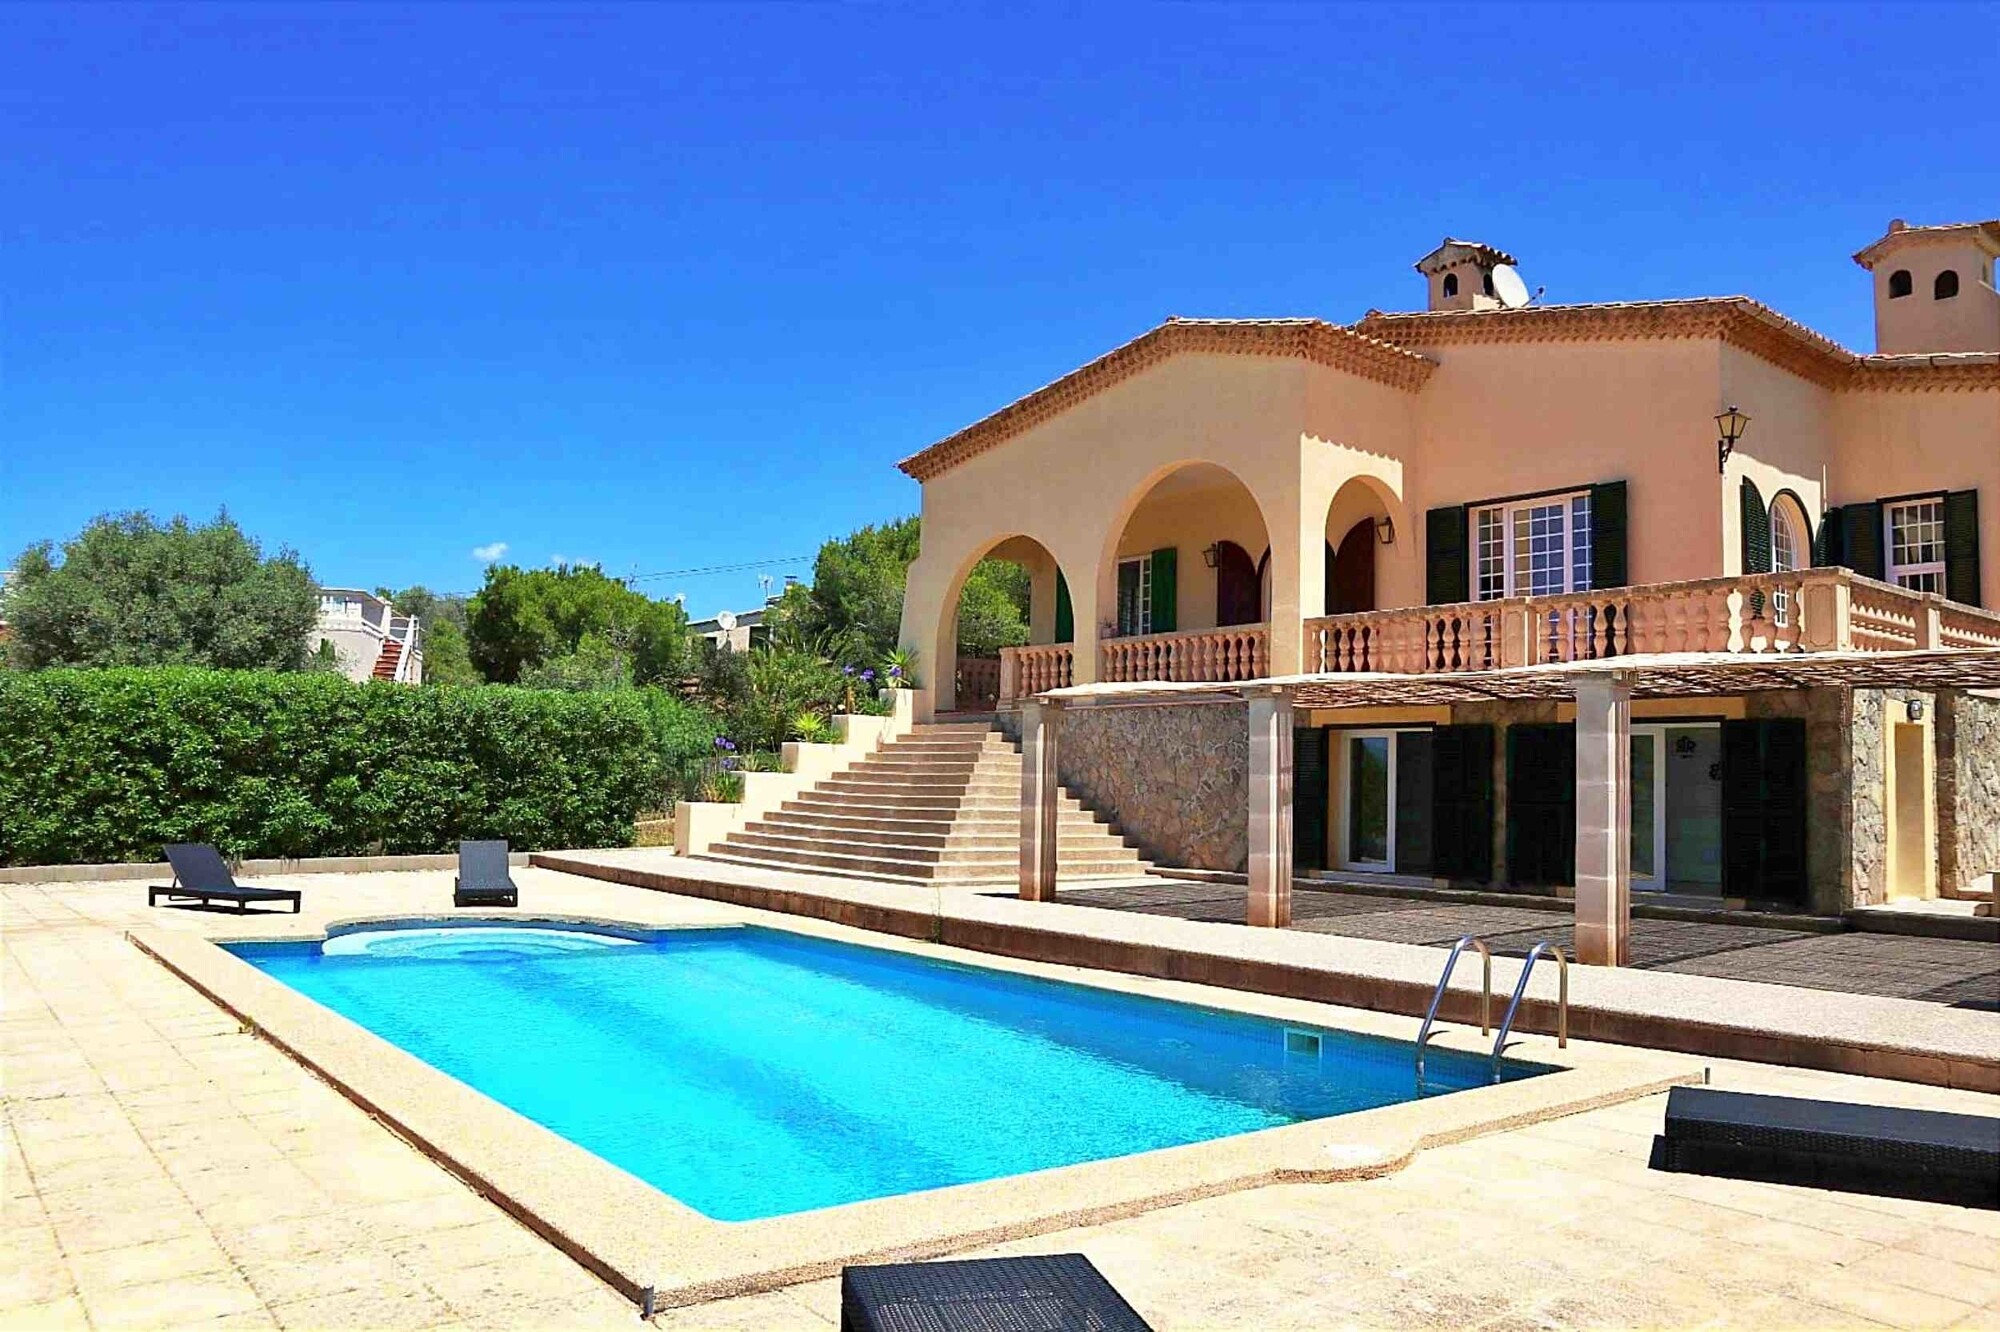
1460 274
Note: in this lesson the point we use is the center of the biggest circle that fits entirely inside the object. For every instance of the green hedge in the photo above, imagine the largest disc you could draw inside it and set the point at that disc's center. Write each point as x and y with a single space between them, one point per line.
109 765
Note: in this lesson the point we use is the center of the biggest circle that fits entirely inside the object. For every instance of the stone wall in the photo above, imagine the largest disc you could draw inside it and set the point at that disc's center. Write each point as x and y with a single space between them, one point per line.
1968 766
1175 778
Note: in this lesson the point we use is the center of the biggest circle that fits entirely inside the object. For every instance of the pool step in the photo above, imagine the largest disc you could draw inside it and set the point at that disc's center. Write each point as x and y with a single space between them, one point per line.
941 804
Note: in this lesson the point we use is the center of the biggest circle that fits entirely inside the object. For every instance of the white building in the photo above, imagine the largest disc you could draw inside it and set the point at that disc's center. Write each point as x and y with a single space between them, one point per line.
372 640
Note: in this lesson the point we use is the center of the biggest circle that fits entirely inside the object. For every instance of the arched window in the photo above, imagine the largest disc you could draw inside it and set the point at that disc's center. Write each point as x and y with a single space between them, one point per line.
1791 548
1236 591
1899 283
1486 282
1450 284
1946 285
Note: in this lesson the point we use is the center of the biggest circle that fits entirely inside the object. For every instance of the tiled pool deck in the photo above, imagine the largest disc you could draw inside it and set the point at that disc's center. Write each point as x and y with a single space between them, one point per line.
164 1168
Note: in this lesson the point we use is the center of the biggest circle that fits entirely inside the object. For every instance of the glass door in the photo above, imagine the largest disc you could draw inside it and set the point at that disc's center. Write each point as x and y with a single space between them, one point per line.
1368 783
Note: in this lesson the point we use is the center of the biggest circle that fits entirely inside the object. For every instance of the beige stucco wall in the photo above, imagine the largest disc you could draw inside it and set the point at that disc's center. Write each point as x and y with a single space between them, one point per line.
1897 443
1313 449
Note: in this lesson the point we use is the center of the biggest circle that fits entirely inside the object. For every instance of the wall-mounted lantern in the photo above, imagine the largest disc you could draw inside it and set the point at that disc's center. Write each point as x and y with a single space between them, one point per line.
1385 529
1914 710
1212 556
1729 426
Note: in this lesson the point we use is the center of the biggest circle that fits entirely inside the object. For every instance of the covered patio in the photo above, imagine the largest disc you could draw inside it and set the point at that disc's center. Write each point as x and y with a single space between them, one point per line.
1601 691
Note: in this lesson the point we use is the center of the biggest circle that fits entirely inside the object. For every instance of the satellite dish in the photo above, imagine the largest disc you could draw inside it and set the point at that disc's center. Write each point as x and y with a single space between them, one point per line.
726 621
1507 285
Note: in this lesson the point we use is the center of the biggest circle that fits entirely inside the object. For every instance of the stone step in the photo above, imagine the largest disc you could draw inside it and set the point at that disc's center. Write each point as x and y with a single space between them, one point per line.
903 805
945 852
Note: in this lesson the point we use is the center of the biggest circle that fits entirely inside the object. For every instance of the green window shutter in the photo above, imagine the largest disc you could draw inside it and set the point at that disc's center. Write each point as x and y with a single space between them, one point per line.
1756 530
1415 796
1961 546
1310 754
1764 809
1166 590
1541 804
1065 613
1462 802
1447 569
1861 539
1826 541
1607 535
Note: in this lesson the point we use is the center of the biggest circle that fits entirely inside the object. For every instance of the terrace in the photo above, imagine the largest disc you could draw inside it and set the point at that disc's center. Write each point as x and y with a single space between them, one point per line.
1810 611
169 1166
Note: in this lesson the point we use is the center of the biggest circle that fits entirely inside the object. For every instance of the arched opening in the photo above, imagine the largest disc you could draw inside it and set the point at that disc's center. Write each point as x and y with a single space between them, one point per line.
1360 523
1791 547
1450 285
1899 283
1176 563
1945 286
1012 595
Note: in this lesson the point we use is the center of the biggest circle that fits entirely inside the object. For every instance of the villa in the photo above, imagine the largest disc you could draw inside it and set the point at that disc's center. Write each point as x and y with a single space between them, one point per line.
371 640
1667 596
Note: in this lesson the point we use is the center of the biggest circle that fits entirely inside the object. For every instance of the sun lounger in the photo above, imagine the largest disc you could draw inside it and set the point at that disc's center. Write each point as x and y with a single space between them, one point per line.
483 879
1058 1290
1924 1154
201 876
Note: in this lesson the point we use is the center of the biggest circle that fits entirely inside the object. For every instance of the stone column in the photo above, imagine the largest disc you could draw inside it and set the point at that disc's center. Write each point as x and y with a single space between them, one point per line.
1270 708
1604 818
1041 733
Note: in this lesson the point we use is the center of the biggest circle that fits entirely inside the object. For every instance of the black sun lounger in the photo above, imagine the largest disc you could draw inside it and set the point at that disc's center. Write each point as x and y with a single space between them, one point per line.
1050 1291
1928 1155
483 879
201 876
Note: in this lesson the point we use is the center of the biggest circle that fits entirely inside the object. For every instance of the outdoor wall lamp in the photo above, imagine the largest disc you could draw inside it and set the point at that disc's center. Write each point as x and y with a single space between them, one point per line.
1212 555
1385 528
1729 426
1914 709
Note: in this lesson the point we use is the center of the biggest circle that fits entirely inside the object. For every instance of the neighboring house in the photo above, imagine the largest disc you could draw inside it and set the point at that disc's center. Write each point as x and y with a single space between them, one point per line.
1415 523
739 631
371 639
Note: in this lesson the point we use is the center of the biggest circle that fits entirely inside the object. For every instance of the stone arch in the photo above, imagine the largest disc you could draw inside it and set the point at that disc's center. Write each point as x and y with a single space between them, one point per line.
1357 542
940 668
1188 506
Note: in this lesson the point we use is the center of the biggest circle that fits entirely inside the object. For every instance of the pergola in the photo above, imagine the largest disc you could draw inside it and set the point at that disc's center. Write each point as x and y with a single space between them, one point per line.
1601 690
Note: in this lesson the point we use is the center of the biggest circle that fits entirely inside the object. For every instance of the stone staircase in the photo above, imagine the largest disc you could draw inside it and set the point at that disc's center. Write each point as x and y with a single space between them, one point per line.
940 805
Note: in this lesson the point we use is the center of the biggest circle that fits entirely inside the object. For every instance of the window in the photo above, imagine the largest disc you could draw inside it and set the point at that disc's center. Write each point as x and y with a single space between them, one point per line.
1788 551
1450 284
1915 533
1486 283
1532 547
1899 283
1946 285
1135 597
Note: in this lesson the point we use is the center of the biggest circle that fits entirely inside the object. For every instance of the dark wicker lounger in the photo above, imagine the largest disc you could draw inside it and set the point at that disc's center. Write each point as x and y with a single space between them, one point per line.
1923 1154
201 876
483 879
1058 1292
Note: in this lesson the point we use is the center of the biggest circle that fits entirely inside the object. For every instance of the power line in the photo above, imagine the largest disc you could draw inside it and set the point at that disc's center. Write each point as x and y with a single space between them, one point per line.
719 568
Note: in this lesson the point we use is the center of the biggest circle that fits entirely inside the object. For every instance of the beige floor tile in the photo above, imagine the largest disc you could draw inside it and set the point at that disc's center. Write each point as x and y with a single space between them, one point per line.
370 1310
145 1264
550 1277
177 1302
1957 1246
775 1311
1897 1306
324 1272
1934 1276
54 1316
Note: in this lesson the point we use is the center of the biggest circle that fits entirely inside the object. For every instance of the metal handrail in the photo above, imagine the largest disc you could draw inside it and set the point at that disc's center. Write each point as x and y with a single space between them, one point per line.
1444 982
1521 988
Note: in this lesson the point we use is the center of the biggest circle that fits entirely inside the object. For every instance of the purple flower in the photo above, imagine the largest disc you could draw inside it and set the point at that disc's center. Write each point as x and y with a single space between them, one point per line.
729 765
867 676
847 670
895 672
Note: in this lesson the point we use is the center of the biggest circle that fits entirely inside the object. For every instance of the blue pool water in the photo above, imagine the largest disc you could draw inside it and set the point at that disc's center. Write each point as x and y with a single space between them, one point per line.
750 1072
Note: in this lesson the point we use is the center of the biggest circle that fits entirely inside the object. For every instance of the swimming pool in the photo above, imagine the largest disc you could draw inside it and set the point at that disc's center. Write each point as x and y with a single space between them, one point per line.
751 1073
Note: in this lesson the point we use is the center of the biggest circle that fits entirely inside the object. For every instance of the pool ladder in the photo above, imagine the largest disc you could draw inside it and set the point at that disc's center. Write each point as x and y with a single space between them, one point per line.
1544 947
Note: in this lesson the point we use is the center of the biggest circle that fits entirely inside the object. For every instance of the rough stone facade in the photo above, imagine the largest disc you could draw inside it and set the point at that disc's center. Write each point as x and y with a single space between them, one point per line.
1175 778
1968 767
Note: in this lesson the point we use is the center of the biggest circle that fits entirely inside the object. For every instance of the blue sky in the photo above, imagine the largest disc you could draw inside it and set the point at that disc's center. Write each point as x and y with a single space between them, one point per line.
673 286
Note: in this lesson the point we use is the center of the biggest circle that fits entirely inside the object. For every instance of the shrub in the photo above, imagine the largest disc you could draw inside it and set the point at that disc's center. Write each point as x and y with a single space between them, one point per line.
108 765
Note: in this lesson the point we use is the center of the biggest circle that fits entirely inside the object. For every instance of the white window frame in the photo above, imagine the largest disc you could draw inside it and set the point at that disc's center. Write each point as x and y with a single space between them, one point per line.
1145 566
1342 794
1904 573
1510 578
1787 518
